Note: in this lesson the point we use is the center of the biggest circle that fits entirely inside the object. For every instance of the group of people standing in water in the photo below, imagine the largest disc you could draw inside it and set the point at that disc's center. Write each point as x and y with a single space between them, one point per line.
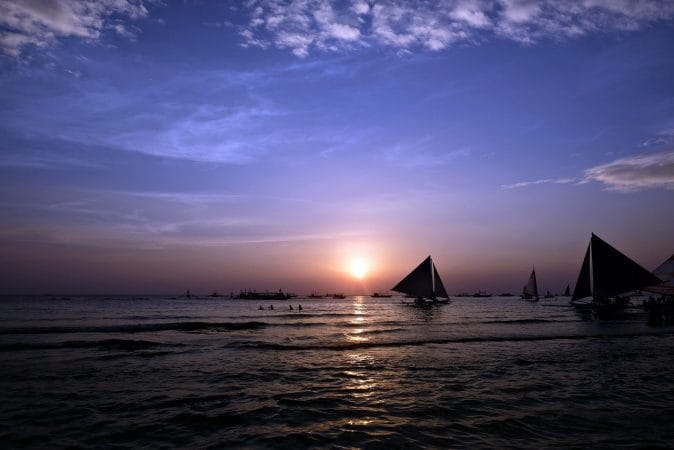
290 307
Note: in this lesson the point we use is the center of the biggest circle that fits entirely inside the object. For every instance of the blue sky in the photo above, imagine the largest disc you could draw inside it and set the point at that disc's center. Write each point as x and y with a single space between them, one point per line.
159 146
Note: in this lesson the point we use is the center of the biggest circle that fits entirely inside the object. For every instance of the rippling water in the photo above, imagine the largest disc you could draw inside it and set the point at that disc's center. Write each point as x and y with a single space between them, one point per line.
359 372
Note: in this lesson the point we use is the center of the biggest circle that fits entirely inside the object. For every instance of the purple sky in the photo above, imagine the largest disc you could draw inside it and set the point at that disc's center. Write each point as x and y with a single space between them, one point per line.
159 146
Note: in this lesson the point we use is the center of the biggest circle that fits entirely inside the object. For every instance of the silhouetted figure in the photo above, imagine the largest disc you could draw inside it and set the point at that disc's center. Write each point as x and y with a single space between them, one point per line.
299 307
290 307
187 294
260 308
271 306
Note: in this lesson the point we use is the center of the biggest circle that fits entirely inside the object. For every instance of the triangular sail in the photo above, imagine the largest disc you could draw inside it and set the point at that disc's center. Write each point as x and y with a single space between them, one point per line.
419 283
567 292
665 271
439 287
583 284
531 289
614 273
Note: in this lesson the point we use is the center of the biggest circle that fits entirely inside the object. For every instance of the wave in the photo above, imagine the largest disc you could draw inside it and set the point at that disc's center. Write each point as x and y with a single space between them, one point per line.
304 315
105 344
528 321
139 328
364 345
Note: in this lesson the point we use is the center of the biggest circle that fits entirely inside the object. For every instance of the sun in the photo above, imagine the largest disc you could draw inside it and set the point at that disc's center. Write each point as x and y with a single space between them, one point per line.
358 268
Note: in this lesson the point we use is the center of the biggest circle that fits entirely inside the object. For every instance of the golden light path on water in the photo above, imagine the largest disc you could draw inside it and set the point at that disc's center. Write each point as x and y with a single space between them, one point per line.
358 322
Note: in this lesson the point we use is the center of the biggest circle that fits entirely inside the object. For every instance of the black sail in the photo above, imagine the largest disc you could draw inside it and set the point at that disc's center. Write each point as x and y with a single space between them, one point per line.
583 285
419 282
439 287
614 273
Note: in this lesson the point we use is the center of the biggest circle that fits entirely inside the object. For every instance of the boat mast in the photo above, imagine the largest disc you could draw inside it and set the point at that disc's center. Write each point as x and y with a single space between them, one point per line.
430 260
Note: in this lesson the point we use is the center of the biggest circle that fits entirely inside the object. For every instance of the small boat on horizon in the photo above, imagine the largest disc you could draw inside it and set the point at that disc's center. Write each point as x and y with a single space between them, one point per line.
479 294
254 295
424 285
380 295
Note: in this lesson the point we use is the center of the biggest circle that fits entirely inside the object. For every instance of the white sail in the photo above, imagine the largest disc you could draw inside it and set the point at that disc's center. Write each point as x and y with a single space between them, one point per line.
531 289
665 271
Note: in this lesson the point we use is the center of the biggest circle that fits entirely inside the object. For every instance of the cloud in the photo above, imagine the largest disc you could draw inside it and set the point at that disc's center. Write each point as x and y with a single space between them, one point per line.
324 25
41 23
635 173
543 181
652 171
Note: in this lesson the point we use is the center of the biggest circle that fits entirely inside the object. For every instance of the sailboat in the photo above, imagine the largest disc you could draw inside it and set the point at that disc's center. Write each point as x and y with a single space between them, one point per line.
606 273
567 292
423 283
665 271
530 291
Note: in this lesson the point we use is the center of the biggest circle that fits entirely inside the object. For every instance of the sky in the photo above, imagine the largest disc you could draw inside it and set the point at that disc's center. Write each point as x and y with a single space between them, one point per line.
158 146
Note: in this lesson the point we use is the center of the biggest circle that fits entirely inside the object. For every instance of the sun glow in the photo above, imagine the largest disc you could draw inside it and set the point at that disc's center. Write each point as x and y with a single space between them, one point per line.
358 268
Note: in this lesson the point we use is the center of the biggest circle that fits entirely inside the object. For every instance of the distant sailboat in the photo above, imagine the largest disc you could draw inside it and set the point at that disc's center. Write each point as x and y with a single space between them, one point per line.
567 292
530 291
423 283
665 271
606 273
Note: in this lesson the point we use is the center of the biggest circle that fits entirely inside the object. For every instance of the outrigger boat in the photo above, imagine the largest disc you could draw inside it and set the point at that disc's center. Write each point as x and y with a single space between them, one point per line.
606 274
424 285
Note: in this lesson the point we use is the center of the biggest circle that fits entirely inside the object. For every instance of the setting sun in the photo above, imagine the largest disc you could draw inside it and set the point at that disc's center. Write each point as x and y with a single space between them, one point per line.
358 268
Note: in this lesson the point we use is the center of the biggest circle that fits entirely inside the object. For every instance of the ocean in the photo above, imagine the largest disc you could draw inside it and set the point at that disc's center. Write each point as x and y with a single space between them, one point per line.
359 372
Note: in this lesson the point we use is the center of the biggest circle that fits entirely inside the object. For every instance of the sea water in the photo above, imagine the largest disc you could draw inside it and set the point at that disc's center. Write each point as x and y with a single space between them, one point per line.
360 372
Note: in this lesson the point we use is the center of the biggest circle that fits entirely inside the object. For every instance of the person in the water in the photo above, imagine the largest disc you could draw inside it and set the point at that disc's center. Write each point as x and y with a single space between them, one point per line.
299 307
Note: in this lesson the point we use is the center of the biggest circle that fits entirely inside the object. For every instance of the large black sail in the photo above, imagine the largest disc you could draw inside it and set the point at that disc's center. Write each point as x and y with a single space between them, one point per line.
614 273
419 282
583 284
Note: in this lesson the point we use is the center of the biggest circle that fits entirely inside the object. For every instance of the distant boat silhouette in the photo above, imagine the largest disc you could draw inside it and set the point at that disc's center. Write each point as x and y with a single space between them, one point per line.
381 295
479 294
530 291
423 283
606 273
567 292
254 295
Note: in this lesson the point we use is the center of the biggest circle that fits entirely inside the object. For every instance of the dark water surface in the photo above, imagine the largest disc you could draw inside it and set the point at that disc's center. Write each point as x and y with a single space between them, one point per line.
354 373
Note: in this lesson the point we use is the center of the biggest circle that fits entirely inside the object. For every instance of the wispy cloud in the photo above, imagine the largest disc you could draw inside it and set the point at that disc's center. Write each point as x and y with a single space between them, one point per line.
652 171
324 25
418 154
41 23
522 184
631 174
